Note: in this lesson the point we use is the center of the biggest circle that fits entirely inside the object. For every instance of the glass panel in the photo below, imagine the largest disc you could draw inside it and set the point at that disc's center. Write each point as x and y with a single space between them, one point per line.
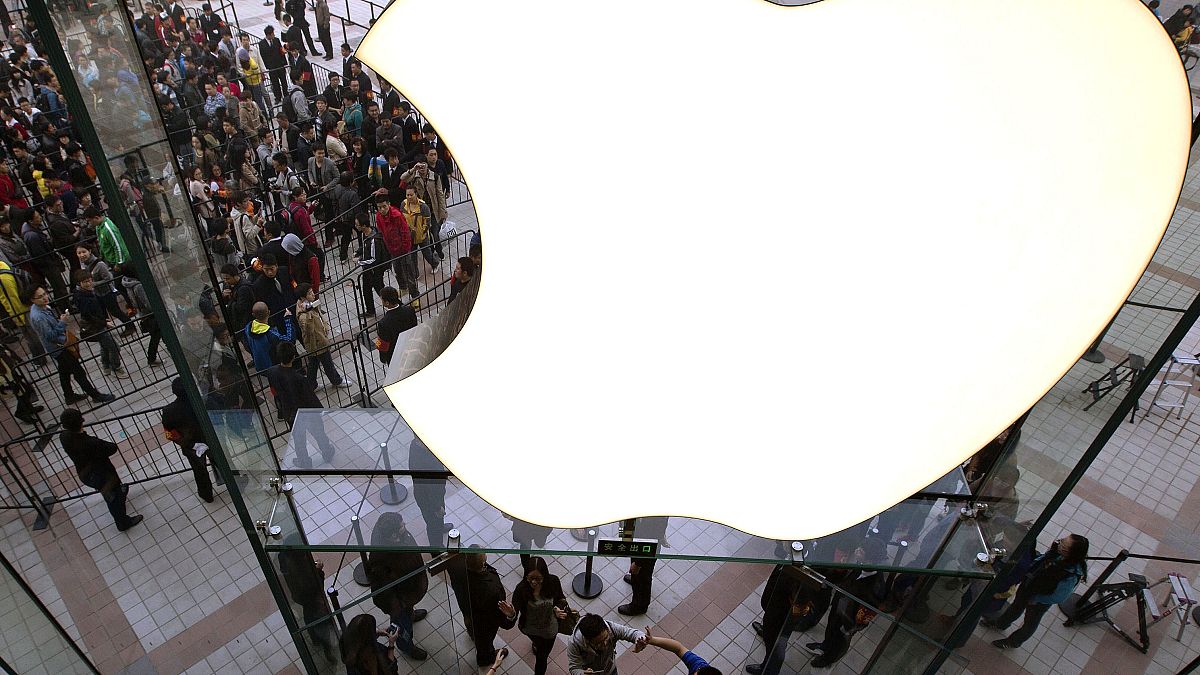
30 642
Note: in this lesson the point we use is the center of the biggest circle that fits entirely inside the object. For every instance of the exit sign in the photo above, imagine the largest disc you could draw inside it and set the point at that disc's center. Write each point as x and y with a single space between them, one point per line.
636 548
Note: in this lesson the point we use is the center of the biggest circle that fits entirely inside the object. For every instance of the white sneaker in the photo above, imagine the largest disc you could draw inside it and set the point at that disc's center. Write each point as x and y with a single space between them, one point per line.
105 370
120 373
344 385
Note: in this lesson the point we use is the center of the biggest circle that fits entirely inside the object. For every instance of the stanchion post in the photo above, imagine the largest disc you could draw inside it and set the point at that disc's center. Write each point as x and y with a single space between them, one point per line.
337 606
587 585
360 570
393 493
1073 603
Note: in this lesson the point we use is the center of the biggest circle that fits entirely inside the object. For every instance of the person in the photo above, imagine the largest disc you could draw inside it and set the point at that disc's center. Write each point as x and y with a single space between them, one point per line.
486 593
1052 578
464 272
106 290
417 213
430 493
94 325
182 427
314 335
262 338
42 258
1185 34
791 601
344 205
274 59
384 567
593 646
1176 22
695 665
304 578
302 264
396 319
56 341
274 289
641 570
425 180
847 615
90 455
398 238
112 245
294 391
322 14
372 258
145 314
361 652
237 295
538 604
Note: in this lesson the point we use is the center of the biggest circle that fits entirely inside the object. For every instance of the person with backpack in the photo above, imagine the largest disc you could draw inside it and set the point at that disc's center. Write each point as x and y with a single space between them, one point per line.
144 313
44 260
286 179
302 226
94 325
345 204
1052 579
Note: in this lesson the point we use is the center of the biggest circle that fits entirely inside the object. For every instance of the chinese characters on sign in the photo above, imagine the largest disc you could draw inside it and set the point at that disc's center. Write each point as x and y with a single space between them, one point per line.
642 548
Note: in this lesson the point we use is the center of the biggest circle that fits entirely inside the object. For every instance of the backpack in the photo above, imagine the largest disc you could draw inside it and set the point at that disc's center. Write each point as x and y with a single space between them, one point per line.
24 281
288 108
284 218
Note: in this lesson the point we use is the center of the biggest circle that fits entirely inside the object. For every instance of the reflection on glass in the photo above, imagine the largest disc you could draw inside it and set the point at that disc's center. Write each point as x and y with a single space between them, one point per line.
30 642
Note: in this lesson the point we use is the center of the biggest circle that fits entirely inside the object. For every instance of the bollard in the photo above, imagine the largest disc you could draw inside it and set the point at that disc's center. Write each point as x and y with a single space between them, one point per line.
393 493
587 585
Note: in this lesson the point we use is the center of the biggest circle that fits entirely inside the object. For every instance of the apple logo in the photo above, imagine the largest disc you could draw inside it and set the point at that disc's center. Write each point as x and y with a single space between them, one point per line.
776 267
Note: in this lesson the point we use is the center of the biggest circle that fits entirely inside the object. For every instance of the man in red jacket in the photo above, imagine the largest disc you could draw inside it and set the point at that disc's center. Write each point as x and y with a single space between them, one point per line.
302 225
398 239
8 189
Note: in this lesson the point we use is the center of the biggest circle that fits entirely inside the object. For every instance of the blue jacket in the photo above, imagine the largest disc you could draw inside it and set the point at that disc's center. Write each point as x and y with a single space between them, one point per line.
50 331
1064 588
261 338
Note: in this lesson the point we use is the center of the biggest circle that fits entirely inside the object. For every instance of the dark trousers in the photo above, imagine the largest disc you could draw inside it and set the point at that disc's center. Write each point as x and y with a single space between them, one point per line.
204 486
114 308
405 267
403 618
58 288
541 653
484 637
326 39
325 361
312 48
430 494
642 582
151 327
1022 604
110 353
342 230
837 634
372 284
114 496
312 609
278 85
69 367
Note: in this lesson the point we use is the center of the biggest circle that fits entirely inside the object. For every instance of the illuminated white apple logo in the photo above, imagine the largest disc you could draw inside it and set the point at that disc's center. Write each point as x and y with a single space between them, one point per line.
776 267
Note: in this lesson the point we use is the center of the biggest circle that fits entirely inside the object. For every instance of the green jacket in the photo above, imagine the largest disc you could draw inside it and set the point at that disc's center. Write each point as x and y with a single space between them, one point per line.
112 247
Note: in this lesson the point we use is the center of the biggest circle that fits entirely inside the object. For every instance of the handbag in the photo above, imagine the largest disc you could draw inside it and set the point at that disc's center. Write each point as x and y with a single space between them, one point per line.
71 344
567 626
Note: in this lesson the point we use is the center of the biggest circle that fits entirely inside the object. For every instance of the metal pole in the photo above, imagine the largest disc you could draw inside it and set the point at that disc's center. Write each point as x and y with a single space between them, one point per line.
337 607
1073 603
587 585
393 493
360 570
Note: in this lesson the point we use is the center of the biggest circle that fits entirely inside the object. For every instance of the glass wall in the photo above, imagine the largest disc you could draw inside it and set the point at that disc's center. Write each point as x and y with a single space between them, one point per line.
31 641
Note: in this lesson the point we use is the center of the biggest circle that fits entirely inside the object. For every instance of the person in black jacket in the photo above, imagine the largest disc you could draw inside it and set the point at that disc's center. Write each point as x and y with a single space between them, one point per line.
274 288
274 61
486 593
384 567
294 391
430 493
181 426
237 295
91 458
304 578
373 259
396 319
791 601
297 10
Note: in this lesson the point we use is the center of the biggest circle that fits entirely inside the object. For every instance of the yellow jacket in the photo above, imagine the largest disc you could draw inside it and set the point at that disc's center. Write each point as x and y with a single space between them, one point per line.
252 73
10 299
